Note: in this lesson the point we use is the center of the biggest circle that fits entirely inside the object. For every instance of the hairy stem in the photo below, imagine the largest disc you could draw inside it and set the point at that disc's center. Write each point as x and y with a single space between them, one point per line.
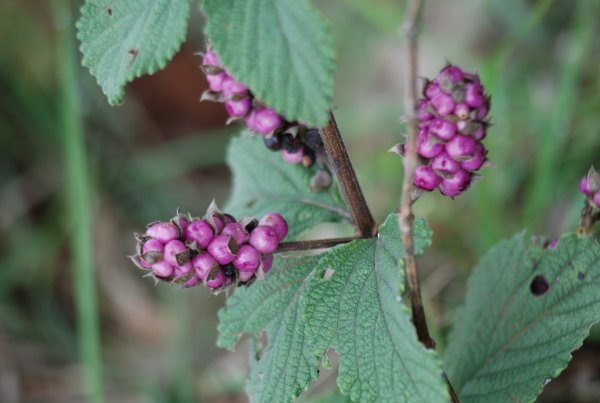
343 170
314 244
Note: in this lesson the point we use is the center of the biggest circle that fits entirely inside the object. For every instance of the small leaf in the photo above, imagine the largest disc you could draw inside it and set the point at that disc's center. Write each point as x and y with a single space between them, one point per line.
263 182
124 39
526 309
281 49
286 366
356 312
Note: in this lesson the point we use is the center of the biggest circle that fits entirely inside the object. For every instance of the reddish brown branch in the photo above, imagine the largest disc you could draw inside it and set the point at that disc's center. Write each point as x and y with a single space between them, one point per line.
342 167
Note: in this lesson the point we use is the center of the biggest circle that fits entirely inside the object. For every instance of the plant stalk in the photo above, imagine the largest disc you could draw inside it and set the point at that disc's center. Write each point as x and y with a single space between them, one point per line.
314 244
342 167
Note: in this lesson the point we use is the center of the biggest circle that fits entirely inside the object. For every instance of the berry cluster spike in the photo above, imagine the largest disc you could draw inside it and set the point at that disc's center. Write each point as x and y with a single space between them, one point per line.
452 123
296 142
217 250
589 185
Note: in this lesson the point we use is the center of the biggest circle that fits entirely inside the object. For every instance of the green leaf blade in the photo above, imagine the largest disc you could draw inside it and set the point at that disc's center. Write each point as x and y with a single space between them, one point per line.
281 49
263 182
506 341
286 366
126 39
352 306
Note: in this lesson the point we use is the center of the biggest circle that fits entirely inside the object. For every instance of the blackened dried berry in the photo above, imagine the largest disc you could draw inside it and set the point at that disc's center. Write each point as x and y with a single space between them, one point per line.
312 138
291 143
273 142
229 270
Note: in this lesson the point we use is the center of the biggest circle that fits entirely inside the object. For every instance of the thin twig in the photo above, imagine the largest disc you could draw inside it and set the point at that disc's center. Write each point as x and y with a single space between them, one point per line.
314 244
343 170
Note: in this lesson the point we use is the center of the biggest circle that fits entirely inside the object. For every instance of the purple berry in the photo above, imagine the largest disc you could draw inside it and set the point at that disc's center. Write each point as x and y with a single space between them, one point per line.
482 111
215 81
449 192
228 219
462 110
584 186
432 89
203 263
244 276
479 134
191 282
425 178
293 158
277 222
223 249
427 146
596 199
237 232
267 263
452 73
247 258
457 182
475 162
183 270
443 164
215 278
162 269
238 108
264 239
199 231
210 59
218 222
163 231
552 244
264 121
423 113
182 222
443 103
460 147
474 96
442 128
232 87
176 253
152 252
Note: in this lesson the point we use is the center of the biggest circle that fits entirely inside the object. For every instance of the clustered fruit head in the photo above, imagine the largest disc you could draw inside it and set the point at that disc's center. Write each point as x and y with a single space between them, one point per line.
296 142
452 123
589 185
217 250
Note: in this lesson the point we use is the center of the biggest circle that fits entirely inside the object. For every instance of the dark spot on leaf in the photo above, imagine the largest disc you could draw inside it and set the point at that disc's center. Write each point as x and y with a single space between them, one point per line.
132 55
109 11
539 286
580 276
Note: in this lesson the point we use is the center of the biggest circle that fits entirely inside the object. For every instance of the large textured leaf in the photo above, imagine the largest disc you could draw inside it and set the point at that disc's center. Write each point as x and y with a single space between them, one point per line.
281 49
352 306
507 340
286 366
263 182
124 39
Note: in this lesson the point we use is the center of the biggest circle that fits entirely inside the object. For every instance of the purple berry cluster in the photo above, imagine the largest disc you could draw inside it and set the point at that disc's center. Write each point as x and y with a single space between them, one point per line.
295 142
217 250
589 185
451 126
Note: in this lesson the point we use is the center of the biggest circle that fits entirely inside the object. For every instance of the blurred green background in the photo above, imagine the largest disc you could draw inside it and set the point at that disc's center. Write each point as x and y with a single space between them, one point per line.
76 172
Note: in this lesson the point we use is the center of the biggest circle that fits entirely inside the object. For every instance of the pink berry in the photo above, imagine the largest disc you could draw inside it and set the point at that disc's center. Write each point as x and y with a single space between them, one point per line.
452 73
443 164
199 231
182 222
442 128
423 113
293 158
182 270
215 278
427 145
449 192
237 108
425 178
217 222
223 248
443 104
228 219
482 111
479 134
191 282
163 231
584 186
474 96
244 276
203 263
152 250
162 269
277 222
264 239
237 232
210 59
267 263
596 199
552 244
174 250
475 162
215 81
432 89
462 110
457 182
264 121
247 258
232 87
460 147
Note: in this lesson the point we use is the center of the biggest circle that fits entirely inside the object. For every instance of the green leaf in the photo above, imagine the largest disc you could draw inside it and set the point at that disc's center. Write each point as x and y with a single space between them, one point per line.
281 49
507 341
124 39
263 182
352 306
286 366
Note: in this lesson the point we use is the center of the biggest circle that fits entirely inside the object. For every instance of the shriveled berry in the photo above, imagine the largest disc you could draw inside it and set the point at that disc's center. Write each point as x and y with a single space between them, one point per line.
215 278
293 158
199 231
460 147
237 232
163 231
203 263
176 253
273 142
427 145
229 270
264 239
290 143
312 138
162 269
277 222
267 263
238 108
442 128
223 248
443 104
247 258
443 164
425 178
